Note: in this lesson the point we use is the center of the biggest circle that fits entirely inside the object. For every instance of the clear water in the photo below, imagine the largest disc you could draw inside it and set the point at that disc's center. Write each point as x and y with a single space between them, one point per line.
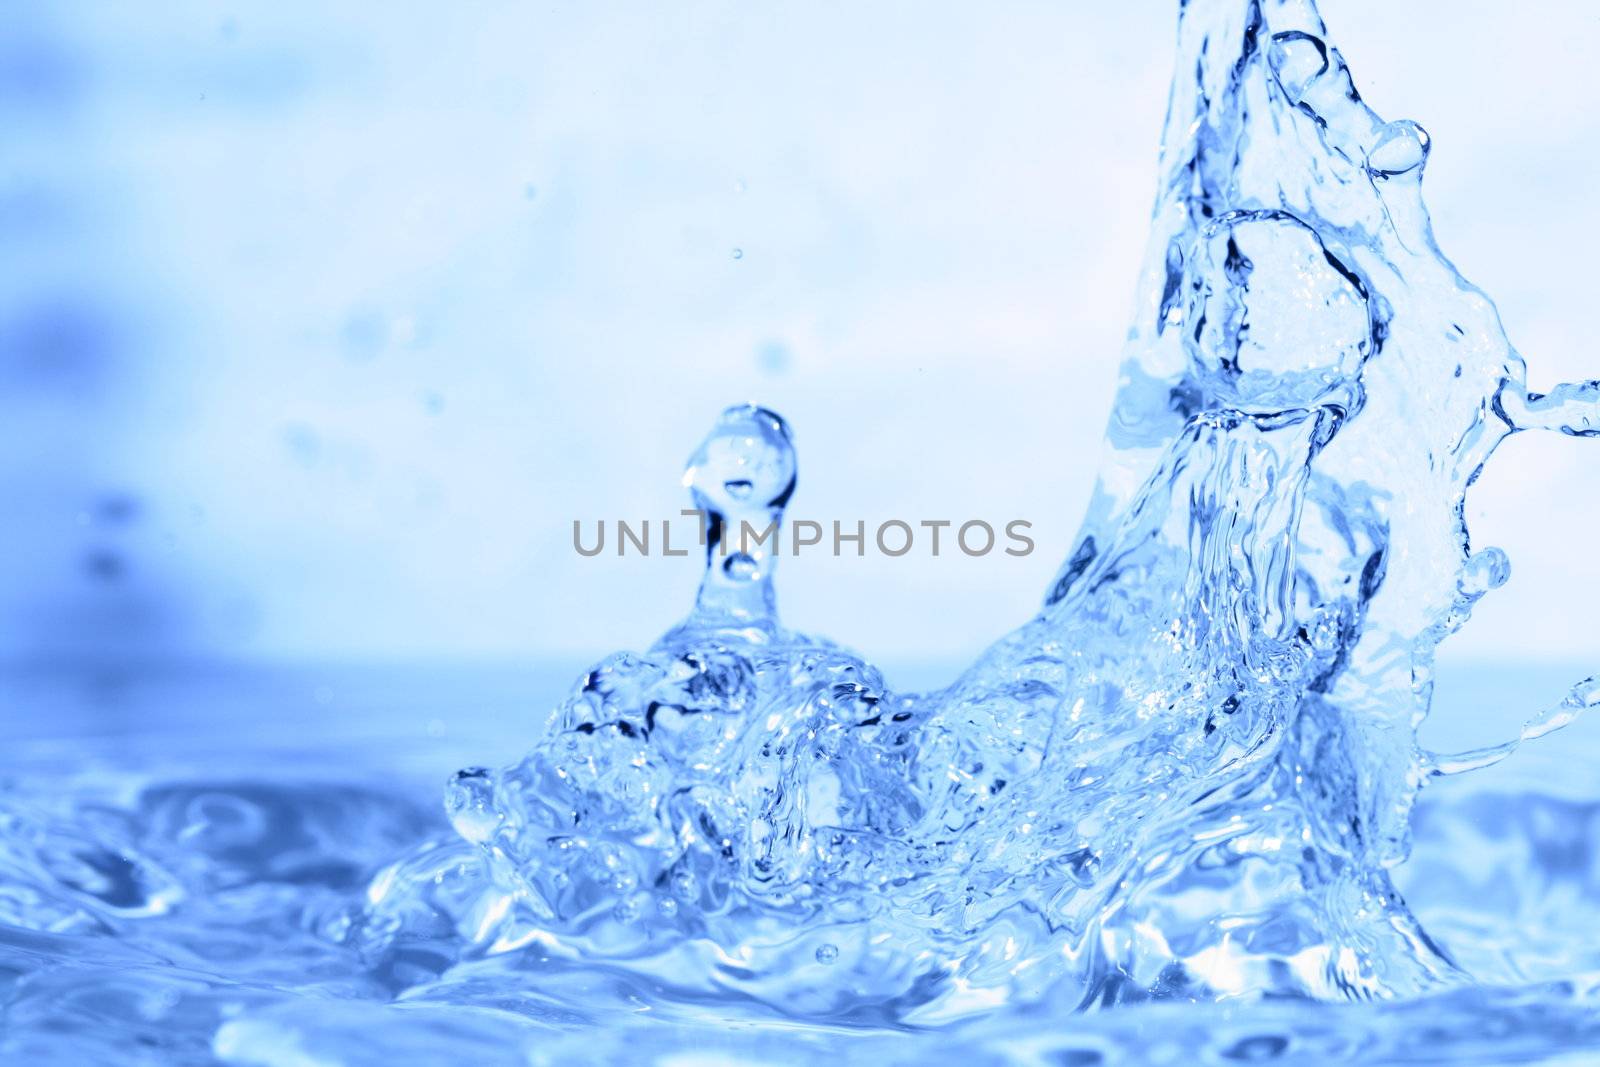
1162 820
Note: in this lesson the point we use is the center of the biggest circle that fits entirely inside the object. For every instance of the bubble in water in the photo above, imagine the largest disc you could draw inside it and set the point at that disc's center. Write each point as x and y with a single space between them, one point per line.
827 953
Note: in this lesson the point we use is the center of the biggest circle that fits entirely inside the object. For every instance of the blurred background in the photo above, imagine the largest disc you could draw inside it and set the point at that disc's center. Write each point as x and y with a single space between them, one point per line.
320 324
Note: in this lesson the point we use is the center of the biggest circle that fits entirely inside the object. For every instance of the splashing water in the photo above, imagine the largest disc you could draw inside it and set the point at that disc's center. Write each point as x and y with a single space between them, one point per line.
1184 783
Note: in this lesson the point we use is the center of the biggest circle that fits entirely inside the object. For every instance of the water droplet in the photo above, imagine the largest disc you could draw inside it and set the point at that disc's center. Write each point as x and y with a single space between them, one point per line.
738 253
827 953
1484 570
741 478
1400 148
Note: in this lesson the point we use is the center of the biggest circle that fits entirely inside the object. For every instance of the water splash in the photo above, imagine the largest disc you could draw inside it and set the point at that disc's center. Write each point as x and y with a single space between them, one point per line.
1188 776
1186 781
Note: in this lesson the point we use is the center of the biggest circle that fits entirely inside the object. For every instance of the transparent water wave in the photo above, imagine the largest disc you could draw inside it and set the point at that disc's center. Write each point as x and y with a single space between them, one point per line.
1159 819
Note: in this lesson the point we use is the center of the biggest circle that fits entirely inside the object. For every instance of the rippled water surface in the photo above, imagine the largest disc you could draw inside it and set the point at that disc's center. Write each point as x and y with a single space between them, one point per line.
1174 816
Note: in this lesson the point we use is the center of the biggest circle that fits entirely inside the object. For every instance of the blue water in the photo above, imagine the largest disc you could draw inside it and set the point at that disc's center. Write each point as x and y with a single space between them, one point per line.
1173 816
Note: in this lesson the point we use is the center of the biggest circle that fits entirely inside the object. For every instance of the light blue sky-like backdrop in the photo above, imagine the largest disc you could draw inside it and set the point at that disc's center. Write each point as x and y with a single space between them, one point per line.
319 324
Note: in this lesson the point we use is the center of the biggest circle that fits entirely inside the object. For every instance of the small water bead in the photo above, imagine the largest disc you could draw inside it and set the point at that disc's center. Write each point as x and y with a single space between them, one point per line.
827 953
741 477
738 253
1484 570
1401 148
746 462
